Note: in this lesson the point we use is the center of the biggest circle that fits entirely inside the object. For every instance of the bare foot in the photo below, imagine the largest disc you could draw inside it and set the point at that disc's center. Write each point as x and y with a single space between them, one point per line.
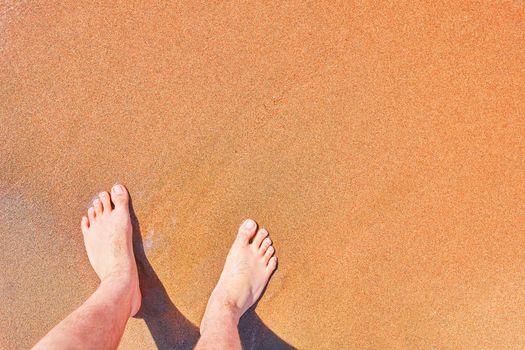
107 236
248 267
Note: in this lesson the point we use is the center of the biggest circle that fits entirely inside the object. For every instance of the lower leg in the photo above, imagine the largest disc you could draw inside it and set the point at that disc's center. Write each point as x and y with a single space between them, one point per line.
248 267
220 329
99 323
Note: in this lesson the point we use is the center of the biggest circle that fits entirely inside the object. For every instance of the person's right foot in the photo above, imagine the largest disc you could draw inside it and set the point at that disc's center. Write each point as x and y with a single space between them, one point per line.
248 267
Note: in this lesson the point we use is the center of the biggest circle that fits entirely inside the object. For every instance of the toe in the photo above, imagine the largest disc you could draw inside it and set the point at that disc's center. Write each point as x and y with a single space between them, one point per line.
97 204
84 224
106 201
272 264
261 234
268 254
91 214
119 196
264 246
246 231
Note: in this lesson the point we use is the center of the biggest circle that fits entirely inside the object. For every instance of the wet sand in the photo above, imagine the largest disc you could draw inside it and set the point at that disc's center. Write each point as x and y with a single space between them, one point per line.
382 146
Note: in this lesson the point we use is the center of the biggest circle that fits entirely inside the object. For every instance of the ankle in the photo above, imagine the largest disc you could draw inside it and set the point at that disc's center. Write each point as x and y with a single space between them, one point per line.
216 322
225 305
118 279
117 288
122 272
219 314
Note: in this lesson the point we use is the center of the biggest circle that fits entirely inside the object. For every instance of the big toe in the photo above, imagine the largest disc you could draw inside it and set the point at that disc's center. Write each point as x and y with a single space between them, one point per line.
119 196
246 231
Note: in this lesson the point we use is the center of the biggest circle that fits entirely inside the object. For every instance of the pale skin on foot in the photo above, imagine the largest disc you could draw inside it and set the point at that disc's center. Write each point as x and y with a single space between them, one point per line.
248 267
100 322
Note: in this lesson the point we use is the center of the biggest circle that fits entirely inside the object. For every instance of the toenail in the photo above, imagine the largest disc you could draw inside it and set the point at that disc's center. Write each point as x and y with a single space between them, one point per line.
249 223
103 194
118 189
96 201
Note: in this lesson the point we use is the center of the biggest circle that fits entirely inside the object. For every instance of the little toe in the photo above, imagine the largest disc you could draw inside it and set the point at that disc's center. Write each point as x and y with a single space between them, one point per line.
246 231
84 224
106 201
272 264
119 196
91 214
264 246
261 234
97 204
268 254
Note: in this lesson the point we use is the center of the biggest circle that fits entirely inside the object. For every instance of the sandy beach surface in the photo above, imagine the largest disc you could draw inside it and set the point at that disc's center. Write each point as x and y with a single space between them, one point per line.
382 145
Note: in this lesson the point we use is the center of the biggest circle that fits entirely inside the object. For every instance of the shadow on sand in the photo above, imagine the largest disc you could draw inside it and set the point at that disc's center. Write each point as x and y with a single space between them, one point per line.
168 326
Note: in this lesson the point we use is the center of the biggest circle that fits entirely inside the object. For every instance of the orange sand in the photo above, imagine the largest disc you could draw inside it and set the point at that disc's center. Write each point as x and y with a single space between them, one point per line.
382 146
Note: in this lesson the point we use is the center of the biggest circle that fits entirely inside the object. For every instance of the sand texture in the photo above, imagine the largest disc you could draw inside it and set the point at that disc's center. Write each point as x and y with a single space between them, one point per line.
381 144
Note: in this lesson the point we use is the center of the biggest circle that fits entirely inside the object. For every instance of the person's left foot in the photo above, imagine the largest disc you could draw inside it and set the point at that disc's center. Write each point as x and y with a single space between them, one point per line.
107 234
